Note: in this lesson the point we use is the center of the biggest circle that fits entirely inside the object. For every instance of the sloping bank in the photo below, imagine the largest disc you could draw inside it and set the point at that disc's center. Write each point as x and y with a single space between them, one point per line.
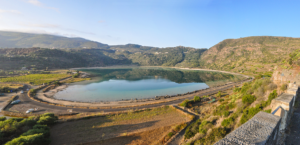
265 128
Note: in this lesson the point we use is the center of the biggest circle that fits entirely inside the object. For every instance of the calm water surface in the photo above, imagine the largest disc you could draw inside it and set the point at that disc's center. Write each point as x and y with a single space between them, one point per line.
131 83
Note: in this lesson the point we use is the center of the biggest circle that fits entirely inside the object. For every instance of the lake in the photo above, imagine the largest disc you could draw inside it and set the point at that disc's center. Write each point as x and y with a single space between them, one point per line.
112 84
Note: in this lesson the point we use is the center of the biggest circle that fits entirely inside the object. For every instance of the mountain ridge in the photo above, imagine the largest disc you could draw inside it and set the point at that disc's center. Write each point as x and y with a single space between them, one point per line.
248 55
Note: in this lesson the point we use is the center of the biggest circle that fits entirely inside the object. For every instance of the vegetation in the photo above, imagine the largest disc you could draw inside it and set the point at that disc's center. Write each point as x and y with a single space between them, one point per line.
215 135
30 130
250 112
283 87
248 99
36 79
186 103
197 99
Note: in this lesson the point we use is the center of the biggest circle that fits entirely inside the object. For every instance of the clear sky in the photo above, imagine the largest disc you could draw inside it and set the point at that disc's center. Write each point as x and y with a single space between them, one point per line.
160 23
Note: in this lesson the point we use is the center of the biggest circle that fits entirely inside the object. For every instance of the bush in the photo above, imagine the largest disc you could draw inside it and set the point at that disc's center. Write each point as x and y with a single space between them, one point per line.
197 99
219 94
283 87
185 103
221 100
35 139
268 111
236 89
192 129
75 75
170 134
45 127
215 135
272 95
226 114
45 132
248 99
272 86
260 91
2 118
204 126
47 119
227 122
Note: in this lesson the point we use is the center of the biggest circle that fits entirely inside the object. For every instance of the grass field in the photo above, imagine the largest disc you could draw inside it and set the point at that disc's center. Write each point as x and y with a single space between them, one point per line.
35 79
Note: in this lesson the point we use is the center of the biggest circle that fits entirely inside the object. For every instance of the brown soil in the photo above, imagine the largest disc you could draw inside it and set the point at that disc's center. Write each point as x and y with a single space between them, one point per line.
143 138
105 128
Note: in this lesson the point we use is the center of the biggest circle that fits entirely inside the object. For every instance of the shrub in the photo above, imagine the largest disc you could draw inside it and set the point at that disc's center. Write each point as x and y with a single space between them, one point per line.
35 139
45 127
268 111
45 132
272 86
236 89
227 122
204 126
197 99
2 118
190 131
260 91
215 135
170 134
226 114
283 87
47 119
221 100
75 75
185 103
179 127
206 96
219 94
248 99
33 91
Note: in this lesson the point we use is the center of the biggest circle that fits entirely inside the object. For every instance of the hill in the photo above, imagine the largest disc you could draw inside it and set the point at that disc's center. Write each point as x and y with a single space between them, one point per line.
249 55
26 40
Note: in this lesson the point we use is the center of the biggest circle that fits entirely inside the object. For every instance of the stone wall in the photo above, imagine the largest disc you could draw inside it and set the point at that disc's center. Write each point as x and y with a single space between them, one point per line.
265 128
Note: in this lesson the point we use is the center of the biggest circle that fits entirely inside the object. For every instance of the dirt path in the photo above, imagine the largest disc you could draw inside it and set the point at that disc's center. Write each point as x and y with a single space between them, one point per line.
180 137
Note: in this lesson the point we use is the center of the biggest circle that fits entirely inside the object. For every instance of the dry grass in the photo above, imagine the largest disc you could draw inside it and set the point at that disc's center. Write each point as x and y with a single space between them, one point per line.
112 126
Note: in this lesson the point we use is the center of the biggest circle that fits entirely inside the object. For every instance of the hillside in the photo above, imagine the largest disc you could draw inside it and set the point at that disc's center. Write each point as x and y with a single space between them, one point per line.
249 55
26 40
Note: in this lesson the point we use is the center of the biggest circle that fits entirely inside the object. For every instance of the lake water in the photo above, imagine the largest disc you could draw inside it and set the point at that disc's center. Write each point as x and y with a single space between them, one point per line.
141 82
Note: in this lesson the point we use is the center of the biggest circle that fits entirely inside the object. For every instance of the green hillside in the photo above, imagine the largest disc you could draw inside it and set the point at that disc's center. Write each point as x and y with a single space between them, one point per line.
25 40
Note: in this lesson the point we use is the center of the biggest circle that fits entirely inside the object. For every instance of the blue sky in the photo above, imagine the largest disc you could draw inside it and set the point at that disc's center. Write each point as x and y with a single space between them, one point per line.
160 23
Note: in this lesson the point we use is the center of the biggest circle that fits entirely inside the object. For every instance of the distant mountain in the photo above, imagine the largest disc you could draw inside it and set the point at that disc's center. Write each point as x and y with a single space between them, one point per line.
249 55
26 40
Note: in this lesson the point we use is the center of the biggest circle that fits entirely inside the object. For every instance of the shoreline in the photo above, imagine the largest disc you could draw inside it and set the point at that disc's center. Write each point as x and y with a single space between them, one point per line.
49 95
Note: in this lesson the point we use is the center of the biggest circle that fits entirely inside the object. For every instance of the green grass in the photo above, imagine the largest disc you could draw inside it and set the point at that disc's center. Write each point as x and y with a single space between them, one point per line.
35 79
